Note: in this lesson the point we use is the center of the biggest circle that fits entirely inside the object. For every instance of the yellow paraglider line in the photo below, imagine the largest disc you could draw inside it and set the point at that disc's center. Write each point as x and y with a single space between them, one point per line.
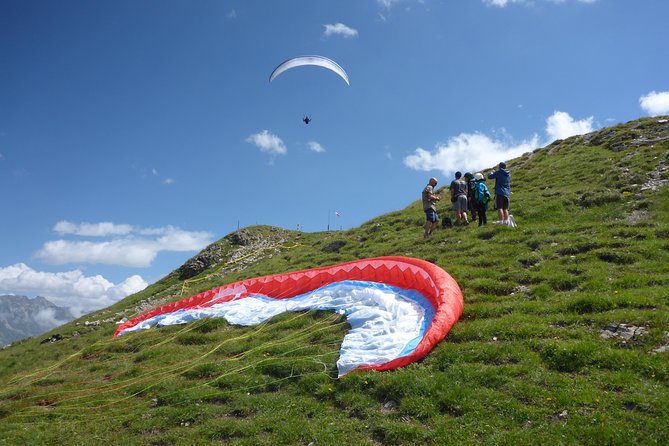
160 374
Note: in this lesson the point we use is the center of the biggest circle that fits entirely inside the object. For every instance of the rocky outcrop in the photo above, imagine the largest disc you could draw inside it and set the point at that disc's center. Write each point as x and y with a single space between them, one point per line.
248 242
642 132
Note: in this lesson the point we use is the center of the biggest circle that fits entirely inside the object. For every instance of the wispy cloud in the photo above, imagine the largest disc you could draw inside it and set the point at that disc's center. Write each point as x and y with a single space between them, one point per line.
502 3
387 4
82 294
268 142
128 246
505 3
476 151
102 229
47 319
655 103
315 147
340 29
152 173
232 14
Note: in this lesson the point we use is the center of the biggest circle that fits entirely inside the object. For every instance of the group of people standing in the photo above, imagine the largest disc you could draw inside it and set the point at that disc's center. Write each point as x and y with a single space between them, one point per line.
469 193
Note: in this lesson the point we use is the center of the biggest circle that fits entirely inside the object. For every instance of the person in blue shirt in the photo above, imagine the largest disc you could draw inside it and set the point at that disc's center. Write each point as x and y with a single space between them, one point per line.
502 178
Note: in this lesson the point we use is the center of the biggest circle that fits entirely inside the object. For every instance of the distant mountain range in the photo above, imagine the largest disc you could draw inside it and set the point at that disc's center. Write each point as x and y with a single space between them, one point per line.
23 317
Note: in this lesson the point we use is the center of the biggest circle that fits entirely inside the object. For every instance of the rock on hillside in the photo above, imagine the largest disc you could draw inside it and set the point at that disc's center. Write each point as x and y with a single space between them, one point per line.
247 242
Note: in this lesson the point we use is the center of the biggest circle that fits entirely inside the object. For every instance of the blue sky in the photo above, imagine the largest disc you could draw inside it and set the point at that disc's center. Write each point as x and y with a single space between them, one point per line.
134 133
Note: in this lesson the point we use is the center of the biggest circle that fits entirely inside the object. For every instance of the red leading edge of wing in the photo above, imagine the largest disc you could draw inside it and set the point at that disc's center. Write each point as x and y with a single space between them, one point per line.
427 278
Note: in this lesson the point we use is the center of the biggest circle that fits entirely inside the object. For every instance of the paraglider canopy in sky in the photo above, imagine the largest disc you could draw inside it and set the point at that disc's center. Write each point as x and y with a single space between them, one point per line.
301 61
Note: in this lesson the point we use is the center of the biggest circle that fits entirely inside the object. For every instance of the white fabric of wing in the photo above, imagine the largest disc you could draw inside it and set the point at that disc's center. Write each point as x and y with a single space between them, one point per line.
310 60
382 321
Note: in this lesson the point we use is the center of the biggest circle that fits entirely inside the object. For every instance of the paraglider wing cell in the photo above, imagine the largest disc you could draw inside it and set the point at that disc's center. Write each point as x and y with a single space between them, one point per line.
399 308
300 61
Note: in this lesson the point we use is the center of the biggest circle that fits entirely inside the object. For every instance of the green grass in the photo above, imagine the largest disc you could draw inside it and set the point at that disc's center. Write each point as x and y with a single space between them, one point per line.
524 365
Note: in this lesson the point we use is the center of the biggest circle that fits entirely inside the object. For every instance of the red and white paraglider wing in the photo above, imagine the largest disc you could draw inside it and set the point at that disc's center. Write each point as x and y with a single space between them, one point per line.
399 308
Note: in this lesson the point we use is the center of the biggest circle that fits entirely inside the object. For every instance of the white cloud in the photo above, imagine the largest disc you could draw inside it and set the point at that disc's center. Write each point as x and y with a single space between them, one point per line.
504 3
315 147
168 181
72 289
340 29
655 103
101 229
501 3
232 14
476 151
132 253
386 3
175 239
268 142
560 126
131 250
46 319
468 151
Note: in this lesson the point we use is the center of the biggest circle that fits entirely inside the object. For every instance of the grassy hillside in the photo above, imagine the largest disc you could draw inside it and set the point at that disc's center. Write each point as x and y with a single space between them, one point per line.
563 338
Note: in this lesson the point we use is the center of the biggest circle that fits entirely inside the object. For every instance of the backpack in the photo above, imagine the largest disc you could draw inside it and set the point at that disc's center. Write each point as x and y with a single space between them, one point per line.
481 194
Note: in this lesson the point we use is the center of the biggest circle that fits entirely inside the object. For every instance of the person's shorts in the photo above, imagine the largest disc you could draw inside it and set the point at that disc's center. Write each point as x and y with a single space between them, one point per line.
501 202
431 215
461 203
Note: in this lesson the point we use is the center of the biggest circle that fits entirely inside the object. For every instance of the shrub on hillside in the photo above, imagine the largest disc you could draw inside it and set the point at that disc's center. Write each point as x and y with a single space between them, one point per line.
563 282
590 304
530 260
577 249
619 258
490 286
598 197
192 339
565 357
541 291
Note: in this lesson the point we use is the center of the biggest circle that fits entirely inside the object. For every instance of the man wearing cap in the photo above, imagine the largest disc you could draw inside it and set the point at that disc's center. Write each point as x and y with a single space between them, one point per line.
430 207
502 178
